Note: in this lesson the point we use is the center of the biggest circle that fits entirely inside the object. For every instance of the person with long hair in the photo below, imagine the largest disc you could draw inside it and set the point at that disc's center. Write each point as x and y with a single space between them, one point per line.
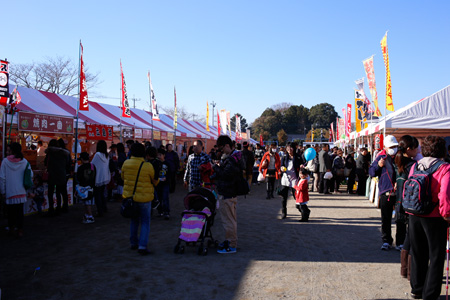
57 161
12 189
428 233
102 176
270 167
408 148
290 166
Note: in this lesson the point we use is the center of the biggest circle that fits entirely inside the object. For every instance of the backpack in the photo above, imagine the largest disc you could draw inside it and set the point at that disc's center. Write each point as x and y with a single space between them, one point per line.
241 185
417 197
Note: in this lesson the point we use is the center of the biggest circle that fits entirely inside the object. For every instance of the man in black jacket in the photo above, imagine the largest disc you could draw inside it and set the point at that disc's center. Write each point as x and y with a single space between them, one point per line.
325 166
226 172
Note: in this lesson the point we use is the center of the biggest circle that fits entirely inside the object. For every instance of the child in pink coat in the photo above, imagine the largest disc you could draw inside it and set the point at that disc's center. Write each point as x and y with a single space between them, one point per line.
302 196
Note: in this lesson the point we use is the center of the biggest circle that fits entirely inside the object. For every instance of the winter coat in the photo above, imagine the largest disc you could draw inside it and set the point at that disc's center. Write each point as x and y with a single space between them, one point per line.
386 175
440 187
173 161
249 160
57 161
290 177
101 163
11 179
338 164
144 188
301 191
324 161
227 172
363 162
277 164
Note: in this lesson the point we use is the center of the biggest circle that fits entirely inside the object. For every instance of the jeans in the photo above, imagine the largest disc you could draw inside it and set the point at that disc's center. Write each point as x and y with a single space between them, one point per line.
163 197
386 207
143 219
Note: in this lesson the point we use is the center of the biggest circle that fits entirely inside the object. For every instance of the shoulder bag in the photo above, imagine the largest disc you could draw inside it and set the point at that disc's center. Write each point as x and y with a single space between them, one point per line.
129 208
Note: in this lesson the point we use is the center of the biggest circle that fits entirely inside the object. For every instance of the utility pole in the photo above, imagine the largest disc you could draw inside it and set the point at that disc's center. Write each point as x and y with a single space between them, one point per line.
213 104
134 99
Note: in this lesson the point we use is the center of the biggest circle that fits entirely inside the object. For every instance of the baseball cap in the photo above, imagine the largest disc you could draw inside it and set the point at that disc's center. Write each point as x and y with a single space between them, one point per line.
390 141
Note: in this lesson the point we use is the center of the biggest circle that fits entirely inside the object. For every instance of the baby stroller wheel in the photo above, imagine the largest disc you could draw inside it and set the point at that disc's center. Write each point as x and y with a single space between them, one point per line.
202 251
205 251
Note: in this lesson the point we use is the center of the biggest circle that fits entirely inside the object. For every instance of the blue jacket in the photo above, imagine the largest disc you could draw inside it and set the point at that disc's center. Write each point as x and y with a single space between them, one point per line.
386 175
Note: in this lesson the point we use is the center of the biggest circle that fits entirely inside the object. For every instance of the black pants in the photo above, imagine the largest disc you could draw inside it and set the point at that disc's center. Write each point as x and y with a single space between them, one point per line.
351 181
323 183
386 207
285 195
337 182
270 182
172 181
100 199
15 216
61 191
428 242
362 179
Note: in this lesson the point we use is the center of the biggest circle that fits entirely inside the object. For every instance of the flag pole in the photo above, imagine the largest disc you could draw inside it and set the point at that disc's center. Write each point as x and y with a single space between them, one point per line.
121 101
78 101
151 104
175 119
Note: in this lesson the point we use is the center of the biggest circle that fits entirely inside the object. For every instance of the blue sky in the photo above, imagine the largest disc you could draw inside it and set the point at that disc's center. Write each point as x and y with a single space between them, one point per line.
243 55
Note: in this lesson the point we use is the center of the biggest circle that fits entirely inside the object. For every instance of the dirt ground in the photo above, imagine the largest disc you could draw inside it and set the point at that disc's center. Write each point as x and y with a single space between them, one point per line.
334 256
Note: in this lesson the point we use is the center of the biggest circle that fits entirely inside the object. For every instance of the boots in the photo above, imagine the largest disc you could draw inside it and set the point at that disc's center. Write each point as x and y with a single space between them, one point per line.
283 213
409 267
404 254
305 213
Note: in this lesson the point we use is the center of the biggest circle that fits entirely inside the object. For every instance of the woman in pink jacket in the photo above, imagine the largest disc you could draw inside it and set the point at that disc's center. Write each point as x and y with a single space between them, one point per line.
428 233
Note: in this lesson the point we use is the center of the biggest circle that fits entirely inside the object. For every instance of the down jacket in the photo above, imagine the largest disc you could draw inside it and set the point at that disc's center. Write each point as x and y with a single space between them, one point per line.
227 172
277 164
144 189
386 175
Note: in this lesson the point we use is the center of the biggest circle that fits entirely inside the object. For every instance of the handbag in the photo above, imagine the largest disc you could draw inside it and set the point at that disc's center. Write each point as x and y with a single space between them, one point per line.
347 172
27 178
261 177
129 208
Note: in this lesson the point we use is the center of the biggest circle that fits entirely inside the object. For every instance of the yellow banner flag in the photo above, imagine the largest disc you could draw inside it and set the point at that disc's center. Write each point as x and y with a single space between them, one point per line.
312 134
360 114
207 116
384 49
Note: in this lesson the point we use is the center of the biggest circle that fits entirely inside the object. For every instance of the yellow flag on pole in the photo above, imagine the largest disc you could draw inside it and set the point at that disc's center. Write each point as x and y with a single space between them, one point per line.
384 49
207 115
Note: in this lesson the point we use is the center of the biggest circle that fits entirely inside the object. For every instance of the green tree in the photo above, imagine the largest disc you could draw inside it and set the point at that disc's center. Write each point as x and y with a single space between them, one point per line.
321 115
282 137
244 124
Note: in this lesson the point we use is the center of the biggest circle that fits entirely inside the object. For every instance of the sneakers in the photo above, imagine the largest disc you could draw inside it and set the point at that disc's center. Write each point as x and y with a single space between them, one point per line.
386 247
88 220
227 250
399 248
224 244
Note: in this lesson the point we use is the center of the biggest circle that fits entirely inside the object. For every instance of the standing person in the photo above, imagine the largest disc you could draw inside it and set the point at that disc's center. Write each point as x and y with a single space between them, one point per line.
350 164
338 170
362 170
332 182
129 143
249 160
324 167
194 168
40 149
428 233
227 171
143 196
12 189
102 176
408 147
383 168
86 182
259 152
290 166
270 167
37 192
57 161
163 187
173 161
121 155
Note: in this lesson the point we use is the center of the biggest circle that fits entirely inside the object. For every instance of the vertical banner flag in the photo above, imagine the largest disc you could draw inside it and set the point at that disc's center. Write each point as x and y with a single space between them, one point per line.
344 112
223 121
175 115
337 129
125 105
348 128
370 74
261 142
4 82
384 49
229 122
207 115
238 128
360 115
332 133
367 105
15 98
218 123
153 104
341 129
312 134
84 103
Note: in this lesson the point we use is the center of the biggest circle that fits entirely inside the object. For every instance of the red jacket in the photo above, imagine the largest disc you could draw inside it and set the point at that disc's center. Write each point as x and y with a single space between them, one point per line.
301 191
277 164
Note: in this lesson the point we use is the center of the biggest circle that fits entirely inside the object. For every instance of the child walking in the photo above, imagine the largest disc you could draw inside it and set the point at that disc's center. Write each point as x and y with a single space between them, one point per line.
37 192
302 195
85 187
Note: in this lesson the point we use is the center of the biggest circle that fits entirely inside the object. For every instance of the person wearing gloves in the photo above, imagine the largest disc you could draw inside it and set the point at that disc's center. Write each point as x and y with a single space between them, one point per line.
383 167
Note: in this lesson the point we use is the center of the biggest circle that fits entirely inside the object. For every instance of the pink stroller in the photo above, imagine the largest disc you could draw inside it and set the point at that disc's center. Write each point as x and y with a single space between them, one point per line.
197 220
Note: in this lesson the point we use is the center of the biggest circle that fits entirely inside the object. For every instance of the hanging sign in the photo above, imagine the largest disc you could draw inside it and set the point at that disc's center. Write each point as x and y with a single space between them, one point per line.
45 123
99 132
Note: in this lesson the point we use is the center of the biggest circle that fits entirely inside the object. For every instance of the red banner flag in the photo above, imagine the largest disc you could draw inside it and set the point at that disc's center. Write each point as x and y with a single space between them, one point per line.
331 133
261 142
125 105
218 123
84 104
348 129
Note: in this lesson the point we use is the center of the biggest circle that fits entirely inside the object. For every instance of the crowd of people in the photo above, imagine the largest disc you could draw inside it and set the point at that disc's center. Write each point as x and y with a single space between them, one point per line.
149 176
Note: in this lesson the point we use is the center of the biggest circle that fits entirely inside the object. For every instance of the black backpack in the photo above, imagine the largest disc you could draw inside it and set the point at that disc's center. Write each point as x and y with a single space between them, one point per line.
417 198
